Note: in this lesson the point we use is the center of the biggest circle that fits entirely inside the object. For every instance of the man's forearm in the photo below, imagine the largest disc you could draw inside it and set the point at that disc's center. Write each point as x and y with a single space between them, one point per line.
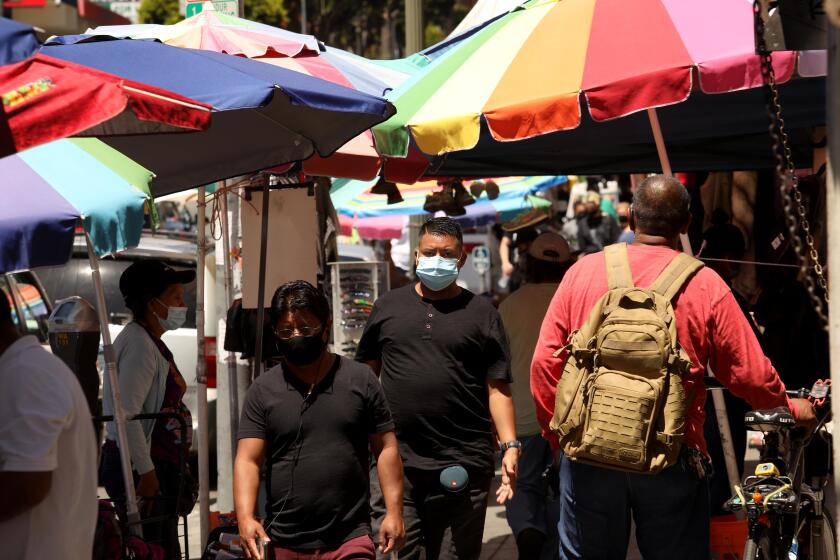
246 484
389 468
501 410
504 251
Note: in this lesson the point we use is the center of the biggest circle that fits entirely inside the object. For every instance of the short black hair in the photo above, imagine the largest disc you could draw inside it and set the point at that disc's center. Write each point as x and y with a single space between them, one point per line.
6 319
299 295
661 206
443 227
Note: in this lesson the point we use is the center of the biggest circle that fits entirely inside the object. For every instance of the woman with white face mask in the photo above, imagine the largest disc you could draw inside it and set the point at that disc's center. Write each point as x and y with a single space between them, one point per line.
149 383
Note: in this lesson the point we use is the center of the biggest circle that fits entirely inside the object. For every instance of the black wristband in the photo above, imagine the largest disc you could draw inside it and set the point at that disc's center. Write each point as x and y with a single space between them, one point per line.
510 445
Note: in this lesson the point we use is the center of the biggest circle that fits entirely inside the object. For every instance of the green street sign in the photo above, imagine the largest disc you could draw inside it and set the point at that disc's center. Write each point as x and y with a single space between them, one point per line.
227 7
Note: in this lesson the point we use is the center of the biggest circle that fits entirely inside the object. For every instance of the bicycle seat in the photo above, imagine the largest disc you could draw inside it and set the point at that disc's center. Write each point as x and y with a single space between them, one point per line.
769 420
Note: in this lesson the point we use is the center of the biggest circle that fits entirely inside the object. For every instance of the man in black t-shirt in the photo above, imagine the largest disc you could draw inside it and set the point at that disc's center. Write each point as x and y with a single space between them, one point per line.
444 363
312 420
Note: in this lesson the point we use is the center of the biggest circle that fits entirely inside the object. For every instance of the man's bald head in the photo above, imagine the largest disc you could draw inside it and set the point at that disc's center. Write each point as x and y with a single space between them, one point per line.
661 207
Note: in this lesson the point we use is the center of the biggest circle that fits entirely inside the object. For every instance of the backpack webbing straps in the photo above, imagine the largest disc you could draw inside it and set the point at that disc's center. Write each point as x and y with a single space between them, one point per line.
678 271
618 266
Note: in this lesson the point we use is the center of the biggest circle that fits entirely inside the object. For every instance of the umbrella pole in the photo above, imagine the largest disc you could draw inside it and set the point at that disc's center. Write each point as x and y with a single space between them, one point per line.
258 346
665 163
201 376
230 357
119 412
717 396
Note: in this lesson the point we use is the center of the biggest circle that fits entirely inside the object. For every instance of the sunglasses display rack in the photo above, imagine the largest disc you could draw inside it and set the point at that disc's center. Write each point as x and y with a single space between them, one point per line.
355 287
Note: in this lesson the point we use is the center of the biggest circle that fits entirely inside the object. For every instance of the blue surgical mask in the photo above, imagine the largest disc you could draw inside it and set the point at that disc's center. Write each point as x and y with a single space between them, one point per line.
437 273
175 318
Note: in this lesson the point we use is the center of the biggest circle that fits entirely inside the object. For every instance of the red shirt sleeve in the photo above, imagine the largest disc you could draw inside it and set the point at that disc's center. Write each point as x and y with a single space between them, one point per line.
737 361
545 368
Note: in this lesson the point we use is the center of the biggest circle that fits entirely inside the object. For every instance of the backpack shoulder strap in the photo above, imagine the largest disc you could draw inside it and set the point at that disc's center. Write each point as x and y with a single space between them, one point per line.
678 271
618 266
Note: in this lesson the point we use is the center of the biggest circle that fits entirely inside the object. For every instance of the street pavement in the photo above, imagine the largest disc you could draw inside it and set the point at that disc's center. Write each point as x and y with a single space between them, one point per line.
499 543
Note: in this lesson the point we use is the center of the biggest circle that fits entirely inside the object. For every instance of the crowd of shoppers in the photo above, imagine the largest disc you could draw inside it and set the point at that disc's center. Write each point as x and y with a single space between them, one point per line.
393 452
445 359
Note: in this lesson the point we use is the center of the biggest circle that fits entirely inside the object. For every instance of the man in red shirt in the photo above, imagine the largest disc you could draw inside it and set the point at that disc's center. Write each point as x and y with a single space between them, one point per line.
670 509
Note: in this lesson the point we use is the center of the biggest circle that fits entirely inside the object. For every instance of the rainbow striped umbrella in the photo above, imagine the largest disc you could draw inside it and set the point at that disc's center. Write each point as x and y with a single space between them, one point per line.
47 189
529 72
353 198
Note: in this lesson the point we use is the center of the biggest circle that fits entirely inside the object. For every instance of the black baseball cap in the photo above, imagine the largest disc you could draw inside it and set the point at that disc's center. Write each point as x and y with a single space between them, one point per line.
149 278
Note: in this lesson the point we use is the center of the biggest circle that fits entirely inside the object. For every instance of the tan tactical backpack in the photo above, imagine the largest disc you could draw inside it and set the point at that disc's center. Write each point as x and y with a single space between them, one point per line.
620 401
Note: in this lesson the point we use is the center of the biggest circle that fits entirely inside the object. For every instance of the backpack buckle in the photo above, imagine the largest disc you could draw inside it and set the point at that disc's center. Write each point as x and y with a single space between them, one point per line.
586 357
679 365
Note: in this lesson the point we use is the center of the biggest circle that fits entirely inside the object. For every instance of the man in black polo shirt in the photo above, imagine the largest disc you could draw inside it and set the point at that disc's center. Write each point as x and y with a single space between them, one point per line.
312 419
443 360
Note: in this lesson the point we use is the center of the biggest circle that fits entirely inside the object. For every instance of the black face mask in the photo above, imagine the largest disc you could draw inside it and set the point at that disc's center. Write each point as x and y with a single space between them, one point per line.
302 350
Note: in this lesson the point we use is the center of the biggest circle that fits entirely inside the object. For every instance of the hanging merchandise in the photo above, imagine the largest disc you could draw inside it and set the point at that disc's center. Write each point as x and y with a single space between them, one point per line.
355 287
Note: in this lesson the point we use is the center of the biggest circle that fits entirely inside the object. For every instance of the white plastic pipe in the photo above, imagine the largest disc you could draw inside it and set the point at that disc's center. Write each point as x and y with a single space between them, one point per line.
230 357
113 380
201 376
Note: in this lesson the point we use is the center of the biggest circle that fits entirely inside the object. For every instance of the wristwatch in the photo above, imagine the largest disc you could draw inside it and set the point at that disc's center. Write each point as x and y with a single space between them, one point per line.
510 444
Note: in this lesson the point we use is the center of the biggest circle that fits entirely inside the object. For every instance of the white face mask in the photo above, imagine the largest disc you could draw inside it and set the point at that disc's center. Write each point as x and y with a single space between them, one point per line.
175 317
437 272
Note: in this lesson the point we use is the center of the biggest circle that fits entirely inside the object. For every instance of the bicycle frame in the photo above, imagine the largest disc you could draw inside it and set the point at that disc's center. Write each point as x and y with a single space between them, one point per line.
777 501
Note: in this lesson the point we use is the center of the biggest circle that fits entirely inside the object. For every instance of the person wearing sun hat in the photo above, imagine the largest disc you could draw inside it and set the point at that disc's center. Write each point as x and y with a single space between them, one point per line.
547 258
149 383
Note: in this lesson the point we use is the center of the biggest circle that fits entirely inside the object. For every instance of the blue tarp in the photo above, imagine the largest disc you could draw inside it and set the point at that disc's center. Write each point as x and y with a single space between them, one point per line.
264 115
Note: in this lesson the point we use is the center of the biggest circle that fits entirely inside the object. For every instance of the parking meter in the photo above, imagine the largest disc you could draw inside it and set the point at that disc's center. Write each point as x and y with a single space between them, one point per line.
74 337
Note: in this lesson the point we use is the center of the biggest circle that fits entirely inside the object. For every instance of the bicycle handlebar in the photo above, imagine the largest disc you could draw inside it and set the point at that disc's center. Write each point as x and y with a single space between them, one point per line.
820 395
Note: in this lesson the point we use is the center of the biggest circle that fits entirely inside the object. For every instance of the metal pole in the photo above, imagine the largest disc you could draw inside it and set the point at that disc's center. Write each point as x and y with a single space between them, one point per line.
134 526
717 397
233 387
201 376
261 286
833 224
413 26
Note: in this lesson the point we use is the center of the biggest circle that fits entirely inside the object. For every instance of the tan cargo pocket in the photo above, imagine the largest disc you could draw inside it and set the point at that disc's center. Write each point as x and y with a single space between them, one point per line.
634 347
618 427
566 395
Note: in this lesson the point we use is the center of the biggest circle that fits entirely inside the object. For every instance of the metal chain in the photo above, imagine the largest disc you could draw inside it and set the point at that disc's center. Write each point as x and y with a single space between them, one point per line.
789 182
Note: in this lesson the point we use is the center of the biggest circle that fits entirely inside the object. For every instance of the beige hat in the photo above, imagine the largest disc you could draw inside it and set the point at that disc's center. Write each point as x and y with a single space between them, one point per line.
550 247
